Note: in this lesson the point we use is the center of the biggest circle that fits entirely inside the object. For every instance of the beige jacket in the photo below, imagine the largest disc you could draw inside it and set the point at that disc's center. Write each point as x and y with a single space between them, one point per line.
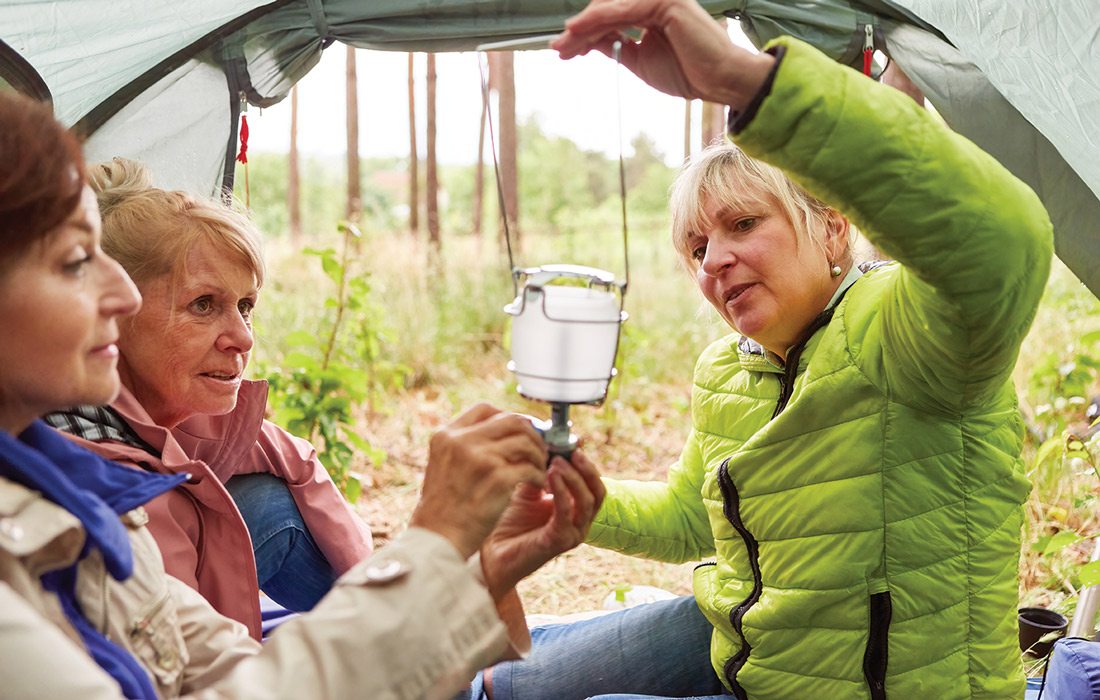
411 621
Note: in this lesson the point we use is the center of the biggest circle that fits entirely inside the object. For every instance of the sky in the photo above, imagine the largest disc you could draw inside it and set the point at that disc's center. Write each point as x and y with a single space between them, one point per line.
579 99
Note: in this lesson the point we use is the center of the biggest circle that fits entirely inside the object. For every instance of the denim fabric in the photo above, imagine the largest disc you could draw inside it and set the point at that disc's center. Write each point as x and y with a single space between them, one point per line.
289 566
660 648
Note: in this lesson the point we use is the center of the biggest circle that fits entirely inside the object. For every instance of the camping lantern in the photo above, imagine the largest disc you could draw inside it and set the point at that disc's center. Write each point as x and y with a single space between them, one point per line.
565 318
565 335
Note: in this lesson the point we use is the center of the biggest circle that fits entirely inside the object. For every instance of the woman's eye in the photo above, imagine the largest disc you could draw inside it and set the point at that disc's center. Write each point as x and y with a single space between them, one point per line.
77 261
202 305
245 307
698 253
744 224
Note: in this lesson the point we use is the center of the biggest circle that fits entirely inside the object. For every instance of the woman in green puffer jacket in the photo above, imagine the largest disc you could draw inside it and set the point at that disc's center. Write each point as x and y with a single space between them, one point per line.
853 468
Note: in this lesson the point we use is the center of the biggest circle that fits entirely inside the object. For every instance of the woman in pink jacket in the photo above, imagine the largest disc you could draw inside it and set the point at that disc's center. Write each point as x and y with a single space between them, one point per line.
258 511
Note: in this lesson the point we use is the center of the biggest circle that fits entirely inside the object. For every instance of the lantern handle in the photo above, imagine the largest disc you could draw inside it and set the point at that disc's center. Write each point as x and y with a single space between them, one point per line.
539 276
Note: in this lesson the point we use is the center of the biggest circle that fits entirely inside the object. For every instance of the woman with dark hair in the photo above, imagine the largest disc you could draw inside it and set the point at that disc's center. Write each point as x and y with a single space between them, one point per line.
86 609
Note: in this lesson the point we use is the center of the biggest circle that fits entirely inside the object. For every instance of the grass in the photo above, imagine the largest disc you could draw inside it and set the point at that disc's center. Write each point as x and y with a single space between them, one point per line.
444 322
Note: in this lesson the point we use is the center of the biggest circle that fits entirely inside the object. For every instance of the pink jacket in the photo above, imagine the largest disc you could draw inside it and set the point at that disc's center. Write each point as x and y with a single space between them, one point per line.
202 537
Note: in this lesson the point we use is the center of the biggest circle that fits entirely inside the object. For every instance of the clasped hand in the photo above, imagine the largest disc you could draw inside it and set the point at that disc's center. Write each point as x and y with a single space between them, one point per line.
486 487
538 524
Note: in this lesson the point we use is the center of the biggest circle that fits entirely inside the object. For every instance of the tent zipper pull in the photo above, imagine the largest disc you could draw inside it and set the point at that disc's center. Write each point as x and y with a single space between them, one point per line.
242 155
868 47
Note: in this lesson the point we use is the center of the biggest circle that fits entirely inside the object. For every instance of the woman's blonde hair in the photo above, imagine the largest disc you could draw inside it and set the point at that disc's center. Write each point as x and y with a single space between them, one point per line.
723 173
149 230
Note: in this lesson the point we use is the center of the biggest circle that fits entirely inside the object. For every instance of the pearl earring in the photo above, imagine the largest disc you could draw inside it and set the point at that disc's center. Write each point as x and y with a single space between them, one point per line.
835 271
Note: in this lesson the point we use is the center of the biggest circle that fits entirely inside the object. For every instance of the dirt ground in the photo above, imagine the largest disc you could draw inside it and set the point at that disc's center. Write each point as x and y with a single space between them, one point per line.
577 581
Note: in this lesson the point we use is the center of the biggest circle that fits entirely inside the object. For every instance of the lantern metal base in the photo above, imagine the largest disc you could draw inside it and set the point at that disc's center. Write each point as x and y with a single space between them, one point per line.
556 431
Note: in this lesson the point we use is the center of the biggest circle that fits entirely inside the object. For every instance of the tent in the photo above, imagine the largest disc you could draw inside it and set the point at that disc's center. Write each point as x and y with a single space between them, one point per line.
165 82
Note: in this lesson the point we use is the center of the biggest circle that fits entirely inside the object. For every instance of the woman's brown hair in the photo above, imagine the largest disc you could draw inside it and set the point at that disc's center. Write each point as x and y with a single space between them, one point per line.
42 175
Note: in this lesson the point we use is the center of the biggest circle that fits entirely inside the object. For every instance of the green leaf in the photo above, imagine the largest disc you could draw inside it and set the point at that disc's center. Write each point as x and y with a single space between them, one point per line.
353 488
358 441
302 361
300 339
1091 337
1060 541
1090 574
349 227
332 268
1088 361
1047 451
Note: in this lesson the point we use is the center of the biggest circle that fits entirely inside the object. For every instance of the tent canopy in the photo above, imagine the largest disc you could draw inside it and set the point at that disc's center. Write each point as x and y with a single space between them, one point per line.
165 82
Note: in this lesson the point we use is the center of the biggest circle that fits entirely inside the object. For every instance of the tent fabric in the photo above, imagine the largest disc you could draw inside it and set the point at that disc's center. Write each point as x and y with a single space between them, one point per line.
163 82
1042 57
969 103
86 50
1017 78
168 145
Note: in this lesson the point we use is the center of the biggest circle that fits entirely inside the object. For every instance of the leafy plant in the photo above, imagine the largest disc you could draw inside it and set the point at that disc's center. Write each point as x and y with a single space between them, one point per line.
324 376
1064 470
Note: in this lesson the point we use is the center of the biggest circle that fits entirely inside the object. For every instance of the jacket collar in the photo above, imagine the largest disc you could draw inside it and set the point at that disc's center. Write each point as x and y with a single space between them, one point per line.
215 440
94 490
755 358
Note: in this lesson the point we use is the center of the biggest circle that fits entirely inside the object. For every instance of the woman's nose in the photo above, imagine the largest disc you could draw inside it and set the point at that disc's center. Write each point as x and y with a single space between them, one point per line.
236 336
718 257
120 297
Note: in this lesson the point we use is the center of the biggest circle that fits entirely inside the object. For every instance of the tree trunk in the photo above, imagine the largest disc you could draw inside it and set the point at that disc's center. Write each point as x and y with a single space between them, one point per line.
687 129
293 187
479 170
431 186
414 156
713 122
505 82
354 208
714 115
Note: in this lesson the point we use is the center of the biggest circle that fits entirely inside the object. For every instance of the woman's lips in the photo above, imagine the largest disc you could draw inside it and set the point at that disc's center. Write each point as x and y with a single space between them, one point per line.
106 350
223 377
736 292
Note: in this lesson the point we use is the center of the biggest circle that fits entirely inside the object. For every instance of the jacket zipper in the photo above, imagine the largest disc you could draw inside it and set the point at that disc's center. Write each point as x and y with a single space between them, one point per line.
790 369
874 660
145 620
732 509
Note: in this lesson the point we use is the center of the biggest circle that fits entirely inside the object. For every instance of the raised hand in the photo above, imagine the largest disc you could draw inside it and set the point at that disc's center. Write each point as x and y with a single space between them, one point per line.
539 525
474 465
682 52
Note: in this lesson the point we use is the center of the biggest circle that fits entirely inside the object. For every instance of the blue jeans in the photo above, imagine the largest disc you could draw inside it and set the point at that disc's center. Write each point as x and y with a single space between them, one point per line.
289 566
660 648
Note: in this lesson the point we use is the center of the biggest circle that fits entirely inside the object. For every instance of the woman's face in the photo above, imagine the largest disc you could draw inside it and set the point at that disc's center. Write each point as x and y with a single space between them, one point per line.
60 302
185 353
764 282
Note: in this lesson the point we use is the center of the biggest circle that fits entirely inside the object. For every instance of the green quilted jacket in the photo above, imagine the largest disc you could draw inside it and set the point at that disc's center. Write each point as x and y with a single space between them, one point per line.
863 504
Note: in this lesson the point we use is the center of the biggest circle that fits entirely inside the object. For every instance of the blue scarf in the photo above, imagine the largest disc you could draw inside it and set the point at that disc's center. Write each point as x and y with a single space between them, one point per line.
96 491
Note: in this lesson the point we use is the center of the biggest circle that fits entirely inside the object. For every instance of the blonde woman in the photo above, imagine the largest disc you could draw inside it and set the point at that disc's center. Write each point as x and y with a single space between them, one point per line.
258 511
852 479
